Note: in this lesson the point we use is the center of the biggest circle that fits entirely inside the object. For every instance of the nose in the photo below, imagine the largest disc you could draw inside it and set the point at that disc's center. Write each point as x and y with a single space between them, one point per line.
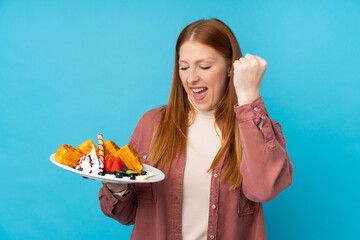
193 76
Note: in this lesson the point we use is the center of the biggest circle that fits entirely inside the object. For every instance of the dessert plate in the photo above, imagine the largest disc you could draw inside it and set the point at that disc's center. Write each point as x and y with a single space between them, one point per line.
158 175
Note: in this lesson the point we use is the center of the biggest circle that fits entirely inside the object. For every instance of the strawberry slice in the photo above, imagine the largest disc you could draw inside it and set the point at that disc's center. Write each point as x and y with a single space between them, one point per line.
108 162
117 165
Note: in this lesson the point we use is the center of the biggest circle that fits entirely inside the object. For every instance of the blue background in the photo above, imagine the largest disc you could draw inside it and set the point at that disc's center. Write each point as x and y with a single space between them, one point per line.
72 69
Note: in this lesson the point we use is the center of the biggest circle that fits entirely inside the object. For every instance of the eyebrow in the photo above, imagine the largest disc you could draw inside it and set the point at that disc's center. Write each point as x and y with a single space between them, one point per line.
200 60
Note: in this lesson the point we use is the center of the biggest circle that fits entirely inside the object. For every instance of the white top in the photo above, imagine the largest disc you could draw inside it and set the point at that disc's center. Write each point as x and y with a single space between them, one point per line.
202 146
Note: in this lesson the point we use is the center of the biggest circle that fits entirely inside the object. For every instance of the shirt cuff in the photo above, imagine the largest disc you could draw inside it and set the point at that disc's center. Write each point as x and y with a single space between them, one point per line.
249 111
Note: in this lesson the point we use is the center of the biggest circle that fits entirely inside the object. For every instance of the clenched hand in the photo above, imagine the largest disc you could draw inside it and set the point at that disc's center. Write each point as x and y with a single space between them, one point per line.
248 73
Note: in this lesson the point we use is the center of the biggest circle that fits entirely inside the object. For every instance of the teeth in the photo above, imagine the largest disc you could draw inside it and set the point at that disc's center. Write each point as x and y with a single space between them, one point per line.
196 90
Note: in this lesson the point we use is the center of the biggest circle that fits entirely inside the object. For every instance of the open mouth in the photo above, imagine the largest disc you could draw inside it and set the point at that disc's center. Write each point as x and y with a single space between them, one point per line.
199 93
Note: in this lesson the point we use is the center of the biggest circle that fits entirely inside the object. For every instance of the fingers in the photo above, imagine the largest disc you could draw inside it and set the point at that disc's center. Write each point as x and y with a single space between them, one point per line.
250 59
258 60
237 65
243 60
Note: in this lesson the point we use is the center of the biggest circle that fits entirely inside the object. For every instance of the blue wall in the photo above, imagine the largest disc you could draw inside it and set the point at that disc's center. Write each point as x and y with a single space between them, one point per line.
72 69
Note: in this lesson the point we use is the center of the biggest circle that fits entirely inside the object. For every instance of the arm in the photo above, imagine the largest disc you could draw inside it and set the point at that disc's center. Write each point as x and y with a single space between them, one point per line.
123 206
118 201
266 167
120 208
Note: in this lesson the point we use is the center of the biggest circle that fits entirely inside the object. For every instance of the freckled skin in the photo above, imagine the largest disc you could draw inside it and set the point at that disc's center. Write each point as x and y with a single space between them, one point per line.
202 66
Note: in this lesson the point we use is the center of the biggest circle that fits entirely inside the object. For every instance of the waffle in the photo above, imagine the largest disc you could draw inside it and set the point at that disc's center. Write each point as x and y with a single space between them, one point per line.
68 155
87 146
111 149
130 158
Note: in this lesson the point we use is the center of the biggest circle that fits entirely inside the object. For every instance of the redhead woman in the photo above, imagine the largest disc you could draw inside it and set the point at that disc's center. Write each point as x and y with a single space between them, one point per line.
221 152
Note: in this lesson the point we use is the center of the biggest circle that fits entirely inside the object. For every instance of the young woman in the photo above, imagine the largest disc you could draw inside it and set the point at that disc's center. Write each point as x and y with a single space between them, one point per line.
221 152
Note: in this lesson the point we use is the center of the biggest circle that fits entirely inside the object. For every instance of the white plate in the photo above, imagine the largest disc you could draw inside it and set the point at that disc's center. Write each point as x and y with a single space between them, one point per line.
158 175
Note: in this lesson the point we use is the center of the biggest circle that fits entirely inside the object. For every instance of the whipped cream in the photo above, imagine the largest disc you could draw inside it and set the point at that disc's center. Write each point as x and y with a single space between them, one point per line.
90 163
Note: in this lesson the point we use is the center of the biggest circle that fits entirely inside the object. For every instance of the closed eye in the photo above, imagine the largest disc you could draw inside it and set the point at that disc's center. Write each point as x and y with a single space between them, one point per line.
205 68
183 68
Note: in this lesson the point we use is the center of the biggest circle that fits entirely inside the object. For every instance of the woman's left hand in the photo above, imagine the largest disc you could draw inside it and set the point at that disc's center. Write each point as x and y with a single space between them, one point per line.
248 73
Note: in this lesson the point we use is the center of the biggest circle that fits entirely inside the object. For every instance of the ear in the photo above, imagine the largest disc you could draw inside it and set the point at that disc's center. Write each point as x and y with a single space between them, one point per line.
229 71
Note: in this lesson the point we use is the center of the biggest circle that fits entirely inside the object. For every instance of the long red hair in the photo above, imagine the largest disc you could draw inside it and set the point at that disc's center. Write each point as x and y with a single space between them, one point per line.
170 137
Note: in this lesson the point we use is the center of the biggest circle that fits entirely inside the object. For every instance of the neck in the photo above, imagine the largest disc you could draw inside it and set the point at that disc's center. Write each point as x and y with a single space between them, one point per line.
198 112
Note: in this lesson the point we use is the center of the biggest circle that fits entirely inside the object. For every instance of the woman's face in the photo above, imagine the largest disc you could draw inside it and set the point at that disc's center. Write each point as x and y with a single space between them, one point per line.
203 72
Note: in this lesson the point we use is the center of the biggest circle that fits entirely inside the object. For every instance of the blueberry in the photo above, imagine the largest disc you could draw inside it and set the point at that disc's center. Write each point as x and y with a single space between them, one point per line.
132 176
143 173
101 173
119 174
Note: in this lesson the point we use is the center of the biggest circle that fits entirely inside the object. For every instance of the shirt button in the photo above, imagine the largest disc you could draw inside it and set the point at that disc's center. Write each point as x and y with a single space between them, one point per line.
215 175
213 206
256 109
212 237
144 157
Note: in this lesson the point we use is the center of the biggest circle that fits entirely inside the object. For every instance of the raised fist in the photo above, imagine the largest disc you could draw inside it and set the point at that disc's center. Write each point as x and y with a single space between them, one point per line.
248 73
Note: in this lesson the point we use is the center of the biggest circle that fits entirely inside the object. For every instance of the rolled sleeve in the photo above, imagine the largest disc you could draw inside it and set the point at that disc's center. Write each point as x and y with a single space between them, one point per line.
266 167
256 115
120 208
249 111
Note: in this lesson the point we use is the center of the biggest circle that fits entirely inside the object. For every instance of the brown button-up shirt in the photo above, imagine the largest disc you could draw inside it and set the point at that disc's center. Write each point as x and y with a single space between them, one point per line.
155 208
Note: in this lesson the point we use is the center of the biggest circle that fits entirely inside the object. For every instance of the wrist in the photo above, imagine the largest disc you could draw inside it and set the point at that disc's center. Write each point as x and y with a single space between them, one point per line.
122 193
117 188
247 97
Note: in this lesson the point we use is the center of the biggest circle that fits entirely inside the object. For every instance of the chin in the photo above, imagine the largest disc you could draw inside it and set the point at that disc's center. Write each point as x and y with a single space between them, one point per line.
203 108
